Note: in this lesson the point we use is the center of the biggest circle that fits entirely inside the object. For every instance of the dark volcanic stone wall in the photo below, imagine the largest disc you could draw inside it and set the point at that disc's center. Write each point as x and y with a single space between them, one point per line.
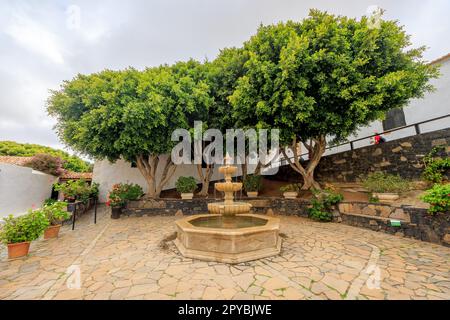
403 156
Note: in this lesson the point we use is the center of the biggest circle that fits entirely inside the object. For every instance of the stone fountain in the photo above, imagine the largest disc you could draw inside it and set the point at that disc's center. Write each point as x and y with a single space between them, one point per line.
229 233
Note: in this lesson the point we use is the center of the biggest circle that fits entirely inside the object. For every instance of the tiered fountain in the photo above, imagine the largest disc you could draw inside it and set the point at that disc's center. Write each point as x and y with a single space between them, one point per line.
229 233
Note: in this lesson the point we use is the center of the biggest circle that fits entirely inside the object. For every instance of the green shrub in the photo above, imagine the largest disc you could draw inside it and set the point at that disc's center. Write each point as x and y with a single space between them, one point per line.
384 183
321 204
253 183
435 170
49 201
186 184
438 197
28 227
123 192
95 190
77 190
293 187
46 163
56 212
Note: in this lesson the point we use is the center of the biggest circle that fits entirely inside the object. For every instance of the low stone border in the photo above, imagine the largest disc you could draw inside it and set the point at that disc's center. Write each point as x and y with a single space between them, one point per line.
414 222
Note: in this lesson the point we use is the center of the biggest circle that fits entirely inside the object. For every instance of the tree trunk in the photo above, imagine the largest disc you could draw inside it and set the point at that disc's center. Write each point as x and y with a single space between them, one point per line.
148 168
205 178
316 148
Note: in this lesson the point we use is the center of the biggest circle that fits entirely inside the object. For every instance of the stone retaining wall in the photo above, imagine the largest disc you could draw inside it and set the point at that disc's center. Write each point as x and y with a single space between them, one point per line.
415 222
402 156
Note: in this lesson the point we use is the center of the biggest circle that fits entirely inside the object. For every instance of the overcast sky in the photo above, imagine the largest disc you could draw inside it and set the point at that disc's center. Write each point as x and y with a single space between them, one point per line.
43 43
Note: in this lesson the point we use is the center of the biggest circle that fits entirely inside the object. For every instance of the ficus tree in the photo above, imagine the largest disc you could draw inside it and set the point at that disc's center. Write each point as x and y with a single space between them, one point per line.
131 114
324 77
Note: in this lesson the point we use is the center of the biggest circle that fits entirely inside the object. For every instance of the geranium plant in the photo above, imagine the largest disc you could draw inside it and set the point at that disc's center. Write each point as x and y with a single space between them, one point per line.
122 192
56 212
24 228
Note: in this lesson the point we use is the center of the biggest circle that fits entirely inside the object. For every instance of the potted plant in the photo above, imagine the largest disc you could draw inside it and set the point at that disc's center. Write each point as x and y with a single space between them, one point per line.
290 191
252 185
385 187
55 213
120 194
18 232
186 186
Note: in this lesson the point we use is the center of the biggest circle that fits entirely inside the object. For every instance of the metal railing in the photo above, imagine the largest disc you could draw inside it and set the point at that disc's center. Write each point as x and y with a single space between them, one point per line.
352 142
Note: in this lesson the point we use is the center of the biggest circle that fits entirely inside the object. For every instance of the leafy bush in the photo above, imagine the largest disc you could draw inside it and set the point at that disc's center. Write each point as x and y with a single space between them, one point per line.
77 190
438 197
383 183
47 163
186 184
49 201
56 212
95 190
321 204
253 183
28 227
122 192
294 187
435 170
72 163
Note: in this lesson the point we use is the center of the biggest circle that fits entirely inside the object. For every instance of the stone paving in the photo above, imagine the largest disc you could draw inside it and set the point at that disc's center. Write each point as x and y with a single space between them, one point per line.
134 258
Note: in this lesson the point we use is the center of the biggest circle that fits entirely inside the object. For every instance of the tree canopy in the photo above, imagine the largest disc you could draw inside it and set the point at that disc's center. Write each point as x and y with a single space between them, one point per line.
70 162
325 77
131 114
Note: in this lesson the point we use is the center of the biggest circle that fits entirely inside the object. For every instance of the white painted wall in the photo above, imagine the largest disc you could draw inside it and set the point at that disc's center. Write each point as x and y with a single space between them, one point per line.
22 188
107 174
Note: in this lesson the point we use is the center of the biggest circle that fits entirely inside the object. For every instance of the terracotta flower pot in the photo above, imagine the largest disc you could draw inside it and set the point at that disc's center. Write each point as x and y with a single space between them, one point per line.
252 194
290 194
52 232
17 250
187 196
116 212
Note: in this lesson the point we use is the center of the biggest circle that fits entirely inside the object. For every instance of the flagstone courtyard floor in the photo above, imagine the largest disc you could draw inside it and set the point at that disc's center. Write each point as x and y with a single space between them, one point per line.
134 258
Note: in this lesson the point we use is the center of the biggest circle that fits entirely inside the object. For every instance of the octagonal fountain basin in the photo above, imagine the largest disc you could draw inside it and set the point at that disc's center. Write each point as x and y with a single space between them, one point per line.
236 239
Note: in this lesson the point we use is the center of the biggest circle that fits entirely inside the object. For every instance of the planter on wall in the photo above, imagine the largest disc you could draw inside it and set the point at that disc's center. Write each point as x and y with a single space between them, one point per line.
116 212
252 194
52 232
386 197
18 250
290 194
187 196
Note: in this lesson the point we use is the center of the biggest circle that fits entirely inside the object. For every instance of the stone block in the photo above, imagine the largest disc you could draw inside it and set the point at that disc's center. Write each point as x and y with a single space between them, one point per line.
406 144
438 142
385 163
368 211
446 238
402 158
397 149
340 161
377 152
399 214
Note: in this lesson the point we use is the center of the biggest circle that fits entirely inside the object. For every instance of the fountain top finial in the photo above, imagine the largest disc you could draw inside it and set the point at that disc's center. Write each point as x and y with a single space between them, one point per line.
228 159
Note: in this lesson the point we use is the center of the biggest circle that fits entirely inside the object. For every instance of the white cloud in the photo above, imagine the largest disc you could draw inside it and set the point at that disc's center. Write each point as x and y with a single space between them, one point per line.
34 37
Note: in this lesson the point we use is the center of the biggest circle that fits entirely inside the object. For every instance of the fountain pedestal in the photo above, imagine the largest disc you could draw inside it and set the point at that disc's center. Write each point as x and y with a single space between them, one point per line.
230 233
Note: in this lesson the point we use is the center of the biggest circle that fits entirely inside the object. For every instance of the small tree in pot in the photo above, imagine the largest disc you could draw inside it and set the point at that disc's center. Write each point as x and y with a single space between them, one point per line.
290 191
55 213
186 186
252 185
18 232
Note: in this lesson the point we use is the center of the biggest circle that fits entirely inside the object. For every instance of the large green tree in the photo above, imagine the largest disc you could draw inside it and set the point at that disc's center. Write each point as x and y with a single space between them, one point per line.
324 77
131 114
